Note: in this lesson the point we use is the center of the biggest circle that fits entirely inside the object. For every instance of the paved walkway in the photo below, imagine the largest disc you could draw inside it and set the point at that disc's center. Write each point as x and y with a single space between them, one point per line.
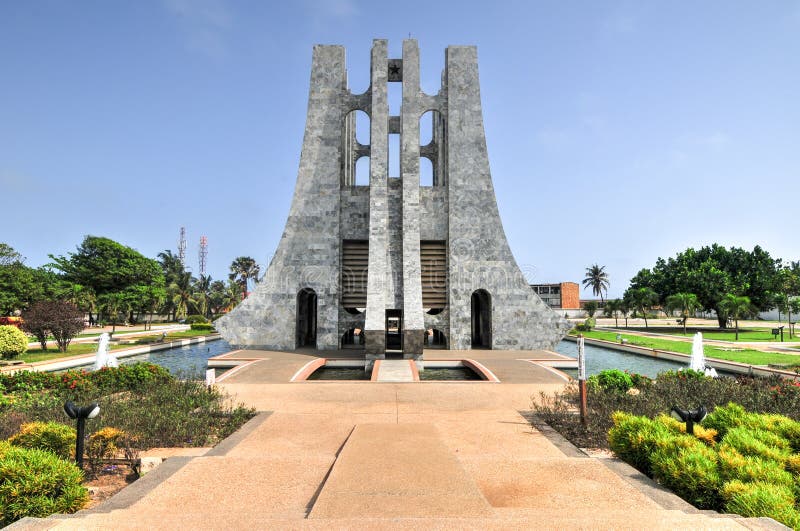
370 455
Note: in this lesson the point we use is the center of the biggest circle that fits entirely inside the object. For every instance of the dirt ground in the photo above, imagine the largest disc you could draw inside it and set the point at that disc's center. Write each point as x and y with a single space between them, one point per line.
110 480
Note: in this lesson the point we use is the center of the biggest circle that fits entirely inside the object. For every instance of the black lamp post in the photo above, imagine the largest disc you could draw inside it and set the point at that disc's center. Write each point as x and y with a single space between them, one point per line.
81 414
689 416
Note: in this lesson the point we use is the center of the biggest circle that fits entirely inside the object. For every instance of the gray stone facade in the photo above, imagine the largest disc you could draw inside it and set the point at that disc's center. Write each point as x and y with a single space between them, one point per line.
482 300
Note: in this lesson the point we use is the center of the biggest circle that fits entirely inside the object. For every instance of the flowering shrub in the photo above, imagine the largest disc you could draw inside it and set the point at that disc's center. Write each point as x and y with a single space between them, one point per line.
51 436
13 341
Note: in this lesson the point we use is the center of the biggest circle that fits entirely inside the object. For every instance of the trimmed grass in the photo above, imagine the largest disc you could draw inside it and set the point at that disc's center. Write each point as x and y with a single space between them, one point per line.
745 334
77 349
751 357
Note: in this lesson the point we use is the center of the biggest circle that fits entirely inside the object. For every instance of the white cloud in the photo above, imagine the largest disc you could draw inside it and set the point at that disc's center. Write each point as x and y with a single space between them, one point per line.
204 24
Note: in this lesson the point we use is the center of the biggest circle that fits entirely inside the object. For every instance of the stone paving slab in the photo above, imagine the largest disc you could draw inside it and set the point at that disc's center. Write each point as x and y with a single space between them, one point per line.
394 371
394 470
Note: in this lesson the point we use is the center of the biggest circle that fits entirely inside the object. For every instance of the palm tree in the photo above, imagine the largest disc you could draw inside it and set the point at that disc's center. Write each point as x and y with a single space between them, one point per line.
173 268
624 309
244 269
641 299
686 303
180 294
736 307
200 295
613 307
597 279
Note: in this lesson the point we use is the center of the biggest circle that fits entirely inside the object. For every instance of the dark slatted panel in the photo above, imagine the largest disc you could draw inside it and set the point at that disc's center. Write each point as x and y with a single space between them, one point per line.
355 258
433 262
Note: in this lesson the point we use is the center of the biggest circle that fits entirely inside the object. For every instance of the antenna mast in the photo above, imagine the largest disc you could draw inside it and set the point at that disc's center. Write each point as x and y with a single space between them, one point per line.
182 247
203 254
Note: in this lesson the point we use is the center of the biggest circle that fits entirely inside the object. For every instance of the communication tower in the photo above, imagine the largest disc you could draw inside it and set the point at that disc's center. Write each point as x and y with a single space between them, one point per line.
203 254
182 247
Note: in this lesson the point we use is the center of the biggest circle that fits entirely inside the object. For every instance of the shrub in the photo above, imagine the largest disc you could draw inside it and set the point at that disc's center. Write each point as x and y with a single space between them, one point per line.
611 380
129 377
37 483
51 436
104 444
735 466
724 418
202 326
591 308
761 499
760 443
705 435
634 439
689 469
28 381
13 341
193 319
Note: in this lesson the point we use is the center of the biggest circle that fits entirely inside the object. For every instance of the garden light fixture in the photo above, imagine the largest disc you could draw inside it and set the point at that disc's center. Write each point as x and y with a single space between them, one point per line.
689 416
81 414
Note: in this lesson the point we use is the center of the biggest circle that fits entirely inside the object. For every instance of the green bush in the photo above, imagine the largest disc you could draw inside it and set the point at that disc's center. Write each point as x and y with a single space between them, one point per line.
37 483
759 443
193 319
28 381
748 468
689 469
202 326
129 377
761 499
634 439
13 341
611 380
50 436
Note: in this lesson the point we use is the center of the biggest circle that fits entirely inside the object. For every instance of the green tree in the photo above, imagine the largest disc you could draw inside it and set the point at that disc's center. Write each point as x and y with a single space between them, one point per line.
794 308
17 283
119 277
685 303
597 279
711 272
180 293
613 309
201 292
244 269
736 307
590 307
642 300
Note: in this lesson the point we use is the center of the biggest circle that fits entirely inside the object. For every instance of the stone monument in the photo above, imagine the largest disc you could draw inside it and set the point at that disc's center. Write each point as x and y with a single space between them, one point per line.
391 265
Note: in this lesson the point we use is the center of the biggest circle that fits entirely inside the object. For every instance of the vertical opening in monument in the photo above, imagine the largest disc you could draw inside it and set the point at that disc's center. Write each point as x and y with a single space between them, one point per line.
394 329
430 134
362 171
394 156
307 318
481 304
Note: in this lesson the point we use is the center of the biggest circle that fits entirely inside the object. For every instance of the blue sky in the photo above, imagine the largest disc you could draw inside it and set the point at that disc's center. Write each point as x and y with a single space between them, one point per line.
618 131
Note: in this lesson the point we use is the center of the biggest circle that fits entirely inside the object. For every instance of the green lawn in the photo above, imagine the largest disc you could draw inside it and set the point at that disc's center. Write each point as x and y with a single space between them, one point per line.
76 349
751 357
745 334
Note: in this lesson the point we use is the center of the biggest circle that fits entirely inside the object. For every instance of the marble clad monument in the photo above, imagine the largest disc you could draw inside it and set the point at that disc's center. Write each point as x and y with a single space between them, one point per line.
393 265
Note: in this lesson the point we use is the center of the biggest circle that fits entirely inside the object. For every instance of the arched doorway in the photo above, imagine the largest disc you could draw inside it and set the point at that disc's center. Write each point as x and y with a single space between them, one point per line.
481 304
307 318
